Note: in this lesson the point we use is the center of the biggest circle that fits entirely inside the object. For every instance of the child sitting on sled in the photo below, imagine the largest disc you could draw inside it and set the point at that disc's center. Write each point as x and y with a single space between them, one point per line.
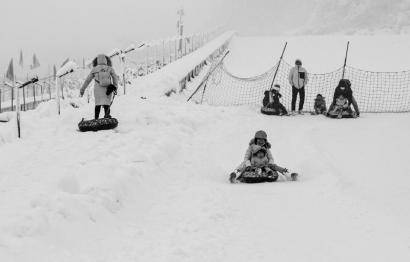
258 155
320 105
341 106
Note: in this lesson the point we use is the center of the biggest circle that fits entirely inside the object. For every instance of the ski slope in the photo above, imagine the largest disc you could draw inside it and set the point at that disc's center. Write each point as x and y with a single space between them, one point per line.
156 189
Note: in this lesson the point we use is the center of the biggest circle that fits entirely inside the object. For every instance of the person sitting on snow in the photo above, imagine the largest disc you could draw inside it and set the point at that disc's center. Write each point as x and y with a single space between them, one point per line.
344 89
271 102
320 105
341 105
259 141
276 104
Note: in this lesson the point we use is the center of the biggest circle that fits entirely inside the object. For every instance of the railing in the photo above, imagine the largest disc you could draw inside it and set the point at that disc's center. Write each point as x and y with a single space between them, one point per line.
143 61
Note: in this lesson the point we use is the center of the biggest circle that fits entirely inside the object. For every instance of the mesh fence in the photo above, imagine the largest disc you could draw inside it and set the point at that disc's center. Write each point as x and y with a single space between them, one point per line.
374 91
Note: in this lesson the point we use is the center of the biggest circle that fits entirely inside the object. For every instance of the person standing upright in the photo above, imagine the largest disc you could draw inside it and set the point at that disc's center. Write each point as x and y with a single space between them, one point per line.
298 79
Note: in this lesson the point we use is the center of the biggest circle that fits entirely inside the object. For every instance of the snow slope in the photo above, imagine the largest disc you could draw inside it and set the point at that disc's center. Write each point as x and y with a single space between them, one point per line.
251 56
155 189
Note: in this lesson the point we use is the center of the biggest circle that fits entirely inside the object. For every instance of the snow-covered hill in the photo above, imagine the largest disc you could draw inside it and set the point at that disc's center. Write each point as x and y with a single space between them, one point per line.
156 189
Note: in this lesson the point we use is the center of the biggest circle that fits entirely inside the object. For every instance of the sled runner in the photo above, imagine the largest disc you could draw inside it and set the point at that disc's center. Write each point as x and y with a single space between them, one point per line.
97 124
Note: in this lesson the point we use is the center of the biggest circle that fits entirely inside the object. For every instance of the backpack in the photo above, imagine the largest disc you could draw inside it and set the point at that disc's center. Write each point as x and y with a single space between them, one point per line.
103 76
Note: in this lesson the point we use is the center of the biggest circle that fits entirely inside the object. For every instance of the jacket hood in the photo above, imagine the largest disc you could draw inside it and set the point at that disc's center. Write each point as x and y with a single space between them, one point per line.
101 60
266 146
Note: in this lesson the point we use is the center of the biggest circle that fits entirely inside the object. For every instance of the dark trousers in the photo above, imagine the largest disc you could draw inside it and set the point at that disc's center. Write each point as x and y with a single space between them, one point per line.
98 109
295 92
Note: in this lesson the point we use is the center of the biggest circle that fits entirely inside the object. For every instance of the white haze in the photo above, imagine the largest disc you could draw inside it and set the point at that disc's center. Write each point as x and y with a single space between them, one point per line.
56 29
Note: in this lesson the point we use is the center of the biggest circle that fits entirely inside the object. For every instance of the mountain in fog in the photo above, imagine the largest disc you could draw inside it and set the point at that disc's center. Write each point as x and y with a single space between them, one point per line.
358 16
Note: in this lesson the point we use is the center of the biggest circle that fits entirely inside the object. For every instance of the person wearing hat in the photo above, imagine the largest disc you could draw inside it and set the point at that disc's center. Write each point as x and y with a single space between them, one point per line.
259 141
276 104
344 89
298 79
103 75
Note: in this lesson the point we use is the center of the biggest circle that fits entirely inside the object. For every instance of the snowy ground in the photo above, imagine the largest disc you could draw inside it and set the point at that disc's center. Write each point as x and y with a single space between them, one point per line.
155 189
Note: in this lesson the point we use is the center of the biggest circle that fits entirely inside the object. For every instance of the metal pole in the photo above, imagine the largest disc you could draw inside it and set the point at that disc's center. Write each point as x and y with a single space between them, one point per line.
344 65
277 68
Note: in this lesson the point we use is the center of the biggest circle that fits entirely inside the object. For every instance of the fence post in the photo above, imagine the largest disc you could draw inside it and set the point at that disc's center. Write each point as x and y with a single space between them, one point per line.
24 99
34 94
57 95
163 52
147 60
42 94
49 89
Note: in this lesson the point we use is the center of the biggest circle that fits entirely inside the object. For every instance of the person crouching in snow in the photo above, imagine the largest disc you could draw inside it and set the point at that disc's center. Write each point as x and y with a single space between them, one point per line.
103 75
259 141
276 104
320 105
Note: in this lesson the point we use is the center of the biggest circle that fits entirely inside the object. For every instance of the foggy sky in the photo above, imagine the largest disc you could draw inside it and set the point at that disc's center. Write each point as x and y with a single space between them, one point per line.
56 29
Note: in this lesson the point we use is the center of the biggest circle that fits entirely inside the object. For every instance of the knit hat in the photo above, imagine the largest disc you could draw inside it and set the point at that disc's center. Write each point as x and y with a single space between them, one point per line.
261 135
276 87
298 62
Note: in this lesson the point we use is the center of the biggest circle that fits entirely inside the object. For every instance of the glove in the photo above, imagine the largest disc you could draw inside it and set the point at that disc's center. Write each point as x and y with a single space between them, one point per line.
284 170
81 93
248 168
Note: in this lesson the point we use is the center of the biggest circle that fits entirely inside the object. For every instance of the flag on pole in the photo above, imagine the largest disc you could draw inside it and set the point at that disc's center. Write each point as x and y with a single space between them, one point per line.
36 63
10 72
21 62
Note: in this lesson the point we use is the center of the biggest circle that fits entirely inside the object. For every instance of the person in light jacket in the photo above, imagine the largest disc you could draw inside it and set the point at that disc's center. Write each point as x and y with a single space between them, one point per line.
103 75
259 141
298 79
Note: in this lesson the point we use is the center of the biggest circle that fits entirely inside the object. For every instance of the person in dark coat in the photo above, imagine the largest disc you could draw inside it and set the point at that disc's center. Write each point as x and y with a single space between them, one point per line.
272 102
344 89
320 105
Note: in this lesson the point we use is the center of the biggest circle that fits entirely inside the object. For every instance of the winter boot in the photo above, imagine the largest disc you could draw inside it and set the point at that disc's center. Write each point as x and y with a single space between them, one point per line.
232 177
294 176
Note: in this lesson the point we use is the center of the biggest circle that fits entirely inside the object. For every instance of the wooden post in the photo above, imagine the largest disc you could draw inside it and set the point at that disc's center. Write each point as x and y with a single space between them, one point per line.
24 99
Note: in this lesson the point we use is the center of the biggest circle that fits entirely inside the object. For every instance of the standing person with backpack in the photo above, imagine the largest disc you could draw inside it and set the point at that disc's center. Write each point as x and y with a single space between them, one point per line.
298 79
104 76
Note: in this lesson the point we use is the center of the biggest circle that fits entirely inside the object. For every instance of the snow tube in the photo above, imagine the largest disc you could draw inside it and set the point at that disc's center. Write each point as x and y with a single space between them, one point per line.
256 175
97 124
347 113
269 111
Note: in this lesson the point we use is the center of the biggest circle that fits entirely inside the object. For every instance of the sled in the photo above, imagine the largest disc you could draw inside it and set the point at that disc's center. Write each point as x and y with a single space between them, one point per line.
271 111
97 124
256 175
345 114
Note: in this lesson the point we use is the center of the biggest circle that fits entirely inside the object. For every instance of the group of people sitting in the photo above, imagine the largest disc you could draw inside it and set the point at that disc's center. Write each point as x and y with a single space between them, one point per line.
298 78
